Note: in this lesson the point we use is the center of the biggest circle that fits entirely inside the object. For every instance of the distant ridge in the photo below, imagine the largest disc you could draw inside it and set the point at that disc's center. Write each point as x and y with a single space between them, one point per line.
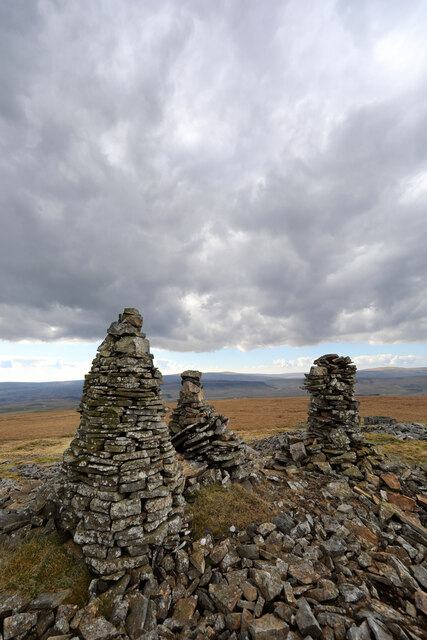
50 396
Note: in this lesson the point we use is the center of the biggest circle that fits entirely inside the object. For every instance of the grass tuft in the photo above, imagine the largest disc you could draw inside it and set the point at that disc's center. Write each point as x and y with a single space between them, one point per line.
42 563
412 452
32 445
215 509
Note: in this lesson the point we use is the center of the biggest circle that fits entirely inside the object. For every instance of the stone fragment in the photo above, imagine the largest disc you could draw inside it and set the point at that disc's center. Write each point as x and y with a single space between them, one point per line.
351 593
249 591
325 590
420 598
353 472
273 543
249 551
124 508
359 633
197 559
64 613
339 489
403 502
302 529
288 593
45 620
184 611
97 629
265 528
302 571
422 500
364 559
135 621
306 622
219 551
284 523
364 534
225 596
233 621
379 630
391 480
268 583
18 625
49 600
119 611
297 451
420 573
230 559
269 627
182 561
11 603
334 547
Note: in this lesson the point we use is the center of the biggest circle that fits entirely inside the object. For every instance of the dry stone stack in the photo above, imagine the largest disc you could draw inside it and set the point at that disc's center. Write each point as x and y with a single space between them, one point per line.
333 413
199 432
123 491
334 436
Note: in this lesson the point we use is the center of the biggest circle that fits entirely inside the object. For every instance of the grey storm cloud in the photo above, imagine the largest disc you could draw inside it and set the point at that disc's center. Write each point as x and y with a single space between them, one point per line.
246 173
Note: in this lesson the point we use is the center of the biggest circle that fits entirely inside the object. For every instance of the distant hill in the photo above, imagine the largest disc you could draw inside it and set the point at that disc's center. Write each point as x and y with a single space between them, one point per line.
39 396
48 396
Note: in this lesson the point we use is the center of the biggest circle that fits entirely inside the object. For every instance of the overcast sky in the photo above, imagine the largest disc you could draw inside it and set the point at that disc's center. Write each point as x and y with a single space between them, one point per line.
250 175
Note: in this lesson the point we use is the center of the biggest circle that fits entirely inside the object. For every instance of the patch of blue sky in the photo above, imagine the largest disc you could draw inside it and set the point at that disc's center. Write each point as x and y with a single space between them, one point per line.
44 361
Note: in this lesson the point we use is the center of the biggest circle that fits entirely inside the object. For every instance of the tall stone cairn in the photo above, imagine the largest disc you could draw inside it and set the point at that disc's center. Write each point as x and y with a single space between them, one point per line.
199 432
333 413
334 440
123 489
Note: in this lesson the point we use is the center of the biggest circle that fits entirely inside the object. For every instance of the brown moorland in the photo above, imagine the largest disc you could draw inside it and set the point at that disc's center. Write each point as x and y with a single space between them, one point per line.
260 417
49 433
250 417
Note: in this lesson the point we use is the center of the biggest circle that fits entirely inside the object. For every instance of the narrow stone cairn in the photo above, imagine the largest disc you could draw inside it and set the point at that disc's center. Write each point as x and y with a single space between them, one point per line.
199 432
333 413
334 435
123 489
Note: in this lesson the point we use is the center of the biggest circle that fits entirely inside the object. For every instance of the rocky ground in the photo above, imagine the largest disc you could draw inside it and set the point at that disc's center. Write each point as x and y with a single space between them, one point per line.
372 424
401 430
342 559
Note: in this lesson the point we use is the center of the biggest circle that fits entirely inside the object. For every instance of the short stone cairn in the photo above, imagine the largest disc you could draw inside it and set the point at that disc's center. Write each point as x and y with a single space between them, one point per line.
334 436
123 488
199 432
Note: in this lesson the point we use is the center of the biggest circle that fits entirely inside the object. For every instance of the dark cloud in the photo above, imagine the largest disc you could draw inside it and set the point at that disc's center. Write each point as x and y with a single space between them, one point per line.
245 173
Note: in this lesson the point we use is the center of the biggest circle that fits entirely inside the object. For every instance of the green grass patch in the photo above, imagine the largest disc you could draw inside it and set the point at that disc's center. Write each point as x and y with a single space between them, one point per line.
215 509
32 445
45 459
412 452
42 563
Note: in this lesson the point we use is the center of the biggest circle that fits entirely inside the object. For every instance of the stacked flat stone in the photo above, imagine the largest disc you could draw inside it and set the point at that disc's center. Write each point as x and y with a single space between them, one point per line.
334 436
199 432
123 491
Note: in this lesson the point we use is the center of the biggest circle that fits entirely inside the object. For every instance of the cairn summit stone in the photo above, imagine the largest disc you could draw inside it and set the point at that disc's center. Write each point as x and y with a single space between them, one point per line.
123 489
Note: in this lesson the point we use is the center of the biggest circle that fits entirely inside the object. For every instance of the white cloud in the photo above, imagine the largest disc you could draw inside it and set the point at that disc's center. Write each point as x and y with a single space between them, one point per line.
302 363
167 366
19 369
414 188
247 178
402 53
386 360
